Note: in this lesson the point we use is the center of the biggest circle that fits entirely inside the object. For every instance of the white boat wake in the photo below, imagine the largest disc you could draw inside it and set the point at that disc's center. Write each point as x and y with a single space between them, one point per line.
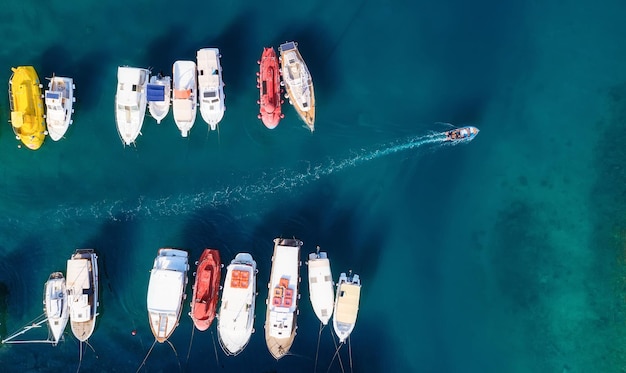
268 183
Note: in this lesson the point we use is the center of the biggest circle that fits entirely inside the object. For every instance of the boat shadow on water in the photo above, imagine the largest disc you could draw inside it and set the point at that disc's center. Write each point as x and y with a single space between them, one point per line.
87 72
317 48
351 242
120 311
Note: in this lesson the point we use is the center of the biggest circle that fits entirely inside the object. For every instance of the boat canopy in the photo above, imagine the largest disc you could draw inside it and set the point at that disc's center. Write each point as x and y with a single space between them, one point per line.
53 95
79 288
287 46
132 75
165 291
156 92
182 94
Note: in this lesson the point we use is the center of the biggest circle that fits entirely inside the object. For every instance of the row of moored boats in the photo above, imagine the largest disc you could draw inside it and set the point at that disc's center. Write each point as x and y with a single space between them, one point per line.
192 84
75 298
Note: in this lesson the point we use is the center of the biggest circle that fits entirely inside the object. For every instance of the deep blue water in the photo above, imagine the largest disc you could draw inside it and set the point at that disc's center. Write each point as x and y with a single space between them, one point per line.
501 255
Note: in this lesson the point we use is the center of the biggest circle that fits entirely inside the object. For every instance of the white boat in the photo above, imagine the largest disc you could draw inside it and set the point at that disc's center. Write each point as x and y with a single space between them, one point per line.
235 324
159 96
346 305
55 300
130 102
59 99
282 300
82 292
184 96
321 287
56 313
166 291
210 86
298 82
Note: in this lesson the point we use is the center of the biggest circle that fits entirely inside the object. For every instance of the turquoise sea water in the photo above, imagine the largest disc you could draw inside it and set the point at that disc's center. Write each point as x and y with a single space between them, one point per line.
502 255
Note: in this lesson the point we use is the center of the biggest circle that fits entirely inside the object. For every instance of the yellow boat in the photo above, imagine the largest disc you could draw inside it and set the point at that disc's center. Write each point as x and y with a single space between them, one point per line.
27 107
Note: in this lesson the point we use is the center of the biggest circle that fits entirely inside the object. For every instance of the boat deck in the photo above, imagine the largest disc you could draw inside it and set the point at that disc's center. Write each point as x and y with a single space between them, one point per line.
282 303
298 83
208 68
348 297
321 289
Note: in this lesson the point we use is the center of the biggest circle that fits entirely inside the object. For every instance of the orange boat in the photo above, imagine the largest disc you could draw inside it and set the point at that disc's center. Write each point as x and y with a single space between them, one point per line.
268 82
206 289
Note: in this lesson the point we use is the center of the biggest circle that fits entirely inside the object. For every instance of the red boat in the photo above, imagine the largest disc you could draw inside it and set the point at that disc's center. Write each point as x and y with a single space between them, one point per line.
268 82
206 289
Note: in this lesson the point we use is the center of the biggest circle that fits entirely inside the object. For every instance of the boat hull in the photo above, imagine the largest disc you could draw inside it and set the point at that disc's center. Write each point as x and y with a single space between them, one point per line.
55 300
236 322
346 305
206 289
160 108
210 86
321 288
59 100
462 134
298 83
131 102
184 96
82 288
27 107
282 302
166 291
268 82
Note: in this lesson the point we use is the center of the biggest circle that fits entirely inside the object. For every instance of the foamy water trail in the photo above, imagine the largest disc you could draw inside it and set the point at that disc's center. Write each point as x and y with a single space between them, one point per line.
268 183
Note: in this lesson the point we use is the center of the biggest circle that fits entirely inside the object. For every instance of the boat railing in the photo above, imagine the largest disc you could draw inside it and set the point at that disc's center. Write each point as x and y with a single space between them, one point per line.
11 104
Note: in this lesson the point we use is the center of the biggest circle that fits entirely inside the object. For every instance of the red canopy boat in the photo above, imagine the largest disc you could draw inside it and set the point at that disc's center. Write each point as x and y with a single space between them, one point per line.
206 289
268 82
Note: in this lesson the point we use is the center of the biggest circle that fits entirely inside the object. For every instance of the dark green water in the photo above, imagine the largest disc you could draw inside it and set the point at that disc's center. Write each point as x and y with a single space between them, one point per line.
501 255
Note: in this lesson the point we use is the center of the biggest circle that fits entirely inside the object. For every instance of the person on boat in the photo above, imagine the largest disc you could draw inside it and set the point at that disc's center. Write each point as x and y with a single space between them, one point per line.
457 134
